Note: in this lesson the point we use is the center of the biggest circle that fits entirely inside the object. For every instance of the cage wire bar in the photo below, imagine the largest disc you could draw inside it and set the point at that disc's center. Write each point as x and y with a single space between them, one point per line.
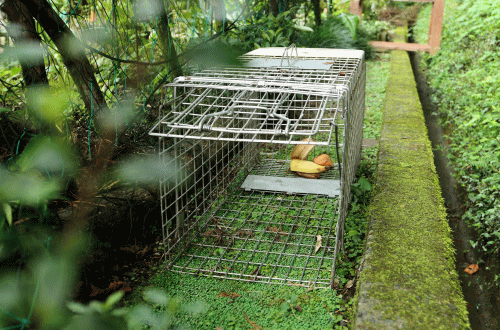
234 209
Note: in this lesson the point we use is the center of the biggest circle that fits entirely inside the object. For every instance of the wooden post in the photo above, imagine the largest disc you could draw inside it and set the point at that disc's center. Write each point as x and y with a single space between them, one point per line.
436 26
356 8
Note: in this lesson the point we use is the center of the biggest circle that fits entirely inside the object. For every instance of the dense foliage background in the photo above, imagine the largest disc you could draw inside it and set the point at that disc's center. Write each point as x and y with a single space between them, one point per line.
466 77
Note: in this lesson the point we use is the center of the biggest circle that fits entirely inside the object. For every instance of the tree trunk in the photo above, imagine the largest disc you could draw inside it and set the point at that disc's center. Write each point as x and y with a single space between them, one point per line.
317 12
167 43
75 60
277 7
33 73
273 7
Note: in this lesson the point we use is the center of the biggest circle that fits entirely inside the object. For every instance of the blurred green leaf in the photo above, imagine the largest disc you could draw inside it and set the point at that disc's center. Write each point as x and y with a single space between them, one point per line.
156 296
118 118
113 299
147 169
99 35
45 153
96 306
195 308
7 209
147 10
9 291
75 47
77 308
25 52
48 104
54 278
216 54
29 188
4 110
303 28
141 316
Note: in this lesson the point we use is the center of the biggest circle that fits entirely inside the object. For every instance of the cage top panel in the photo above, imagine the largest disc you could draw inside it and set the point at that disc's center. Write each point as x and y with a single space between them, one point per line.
332 82
283 96
307 52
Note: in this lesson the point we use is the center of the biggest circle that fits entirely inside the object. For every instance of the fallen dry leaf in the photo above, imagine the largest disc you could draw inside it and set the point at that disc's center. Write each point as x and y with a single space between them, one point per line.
471 269
318 243
95 290
253 324
273 229
255 271
229 295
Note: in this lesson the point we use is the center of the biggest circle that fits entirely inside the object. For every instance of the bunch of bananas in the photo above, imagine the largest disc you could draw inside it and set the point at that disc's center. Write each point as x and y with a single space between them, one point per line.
307 169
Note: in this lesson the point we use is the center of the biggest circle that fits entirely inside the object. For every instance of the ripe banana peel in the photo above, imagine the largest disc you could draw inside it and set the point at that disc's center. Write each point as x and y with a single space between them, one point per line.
301 151
308 175
305 166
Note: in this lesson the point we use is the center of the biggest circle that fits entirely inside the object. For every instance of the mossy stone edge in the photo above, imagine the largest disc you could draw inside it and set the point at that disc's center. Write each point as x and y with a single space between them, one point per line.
407 277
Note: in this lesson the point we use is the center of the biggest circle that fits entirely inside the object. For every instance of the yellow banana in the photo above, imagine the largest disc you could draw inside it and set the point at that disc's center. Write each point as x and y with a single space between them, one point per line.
305 166
301 151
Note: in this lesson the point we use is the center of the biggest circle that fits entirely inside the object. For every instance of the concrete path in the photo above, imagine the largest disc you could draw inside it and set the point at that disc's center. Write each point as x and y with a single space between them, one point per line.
407 278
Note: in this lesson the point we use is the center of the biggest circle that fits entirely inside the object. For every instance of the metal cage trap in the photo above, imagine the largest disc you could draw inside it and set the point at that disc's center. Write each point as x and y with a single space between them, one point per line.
234 209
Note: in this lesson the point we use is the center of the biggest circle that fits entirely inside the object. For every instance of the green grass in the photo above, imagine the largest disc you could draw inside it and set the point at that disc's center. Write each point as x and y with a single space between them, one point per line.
230 304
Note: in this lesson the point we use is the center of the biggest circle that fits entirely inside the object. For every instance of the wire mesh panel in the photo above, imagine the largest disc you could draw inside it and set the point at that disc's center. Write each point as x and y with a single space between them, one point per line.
235 209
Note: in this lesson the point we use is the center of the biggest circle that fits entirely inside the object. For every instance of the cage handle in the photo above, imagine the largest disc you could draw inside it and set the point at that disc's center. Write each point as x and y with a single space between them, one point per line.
228 111
288 56
274 112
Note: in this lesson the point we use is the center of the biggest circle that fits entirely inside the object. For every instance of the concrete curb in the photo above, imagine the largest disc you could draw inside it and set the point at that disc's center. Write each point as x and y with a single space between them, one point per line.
407 278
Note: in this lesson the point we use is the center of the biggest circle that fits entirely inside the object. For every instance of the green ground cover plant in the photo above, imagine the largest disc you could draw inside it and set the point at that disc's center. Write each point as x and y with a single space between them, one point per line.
466 77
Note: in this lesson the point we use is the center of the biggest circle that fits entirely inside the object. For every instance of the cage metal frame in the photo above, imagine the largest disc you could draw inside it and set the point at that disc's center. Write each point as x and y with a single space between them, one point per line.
228 124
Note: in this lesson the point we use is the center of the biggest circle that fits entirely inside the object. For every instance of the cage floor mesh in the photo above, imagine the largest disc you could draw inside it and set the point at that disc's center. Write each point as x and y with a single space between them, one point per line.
266 237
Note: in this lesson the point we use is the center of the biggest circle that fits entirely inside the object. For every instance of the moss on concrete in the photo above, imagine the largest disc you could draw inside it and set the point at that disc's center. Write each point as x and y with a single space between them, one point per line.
408 280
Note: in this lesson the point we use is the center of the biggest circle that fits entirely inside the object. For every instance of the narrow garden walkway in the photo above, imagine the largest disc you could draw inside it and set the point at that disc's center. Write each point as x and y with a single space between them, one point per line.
407 278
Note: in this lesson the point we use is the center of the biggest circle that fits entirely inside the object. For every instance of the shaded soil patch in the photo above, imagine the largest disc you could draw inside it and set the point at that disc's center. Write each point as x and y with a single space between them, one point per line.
126 235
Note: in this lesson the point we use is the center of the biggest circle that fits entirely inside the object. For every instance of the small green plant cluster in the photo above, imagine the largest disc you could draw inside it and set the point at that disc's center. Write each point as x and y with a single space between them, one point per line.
466 76
241 305
372 8
374 29
266 31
